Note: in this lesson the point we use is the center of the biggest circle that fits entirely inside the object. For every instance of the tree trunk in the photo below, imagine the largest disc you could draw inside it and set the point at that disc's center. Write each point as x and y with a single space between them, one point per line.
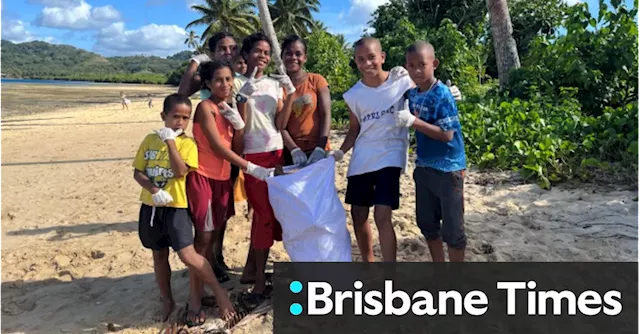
505 46
267 26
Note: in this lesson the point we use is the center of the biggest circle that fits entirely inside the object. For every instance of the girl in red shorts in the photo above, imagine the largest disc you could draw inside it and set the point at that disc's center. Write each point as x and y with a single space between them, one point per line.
209 188
260 100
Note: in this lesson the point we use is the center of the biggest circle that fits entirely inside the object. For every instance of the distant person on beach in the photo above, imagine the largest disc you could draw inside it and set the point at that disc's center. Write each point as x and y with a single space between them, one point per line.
441 159
150 101
125 101
161 166
210 187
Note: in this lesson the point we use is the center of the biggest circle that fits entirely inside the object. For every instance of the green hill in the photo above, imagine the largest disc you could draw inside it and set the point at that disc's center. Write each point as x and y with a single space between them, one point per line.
40 60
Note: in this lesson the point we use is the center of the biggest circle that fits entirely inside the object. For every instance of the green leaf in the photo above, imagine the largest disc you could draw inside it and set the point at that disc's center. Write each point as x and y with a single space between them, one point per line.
544 183
633 147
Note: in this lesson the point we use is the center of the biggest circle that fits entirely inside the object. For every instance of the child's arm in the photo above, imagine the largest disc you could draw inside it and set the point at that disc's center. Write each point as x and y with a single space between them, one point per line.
288 140
207 121
144 181
352 134
178 166
190 81
432 131
284 112
324 108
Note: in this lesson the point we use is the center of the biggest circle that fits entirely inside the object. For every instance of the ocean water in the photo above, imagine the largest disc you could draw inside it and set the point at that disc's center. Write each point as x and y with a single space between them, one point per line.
7 81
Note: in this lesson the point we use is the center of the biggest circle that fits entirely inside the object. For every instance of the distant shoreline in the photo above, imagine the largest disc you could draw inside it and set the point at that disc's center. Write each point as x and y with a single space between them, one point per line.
23 81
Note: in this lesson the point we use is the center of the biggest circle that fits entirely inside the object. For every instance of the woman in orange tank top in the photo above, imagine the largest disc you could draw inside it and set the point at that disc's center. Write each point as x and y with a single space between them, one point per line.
209 188
305 126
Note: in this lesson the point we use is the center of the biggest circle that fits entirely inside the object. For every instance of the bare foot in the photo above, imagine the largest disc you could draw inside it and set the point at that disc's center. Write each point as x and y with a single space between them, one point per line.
227 312
167 308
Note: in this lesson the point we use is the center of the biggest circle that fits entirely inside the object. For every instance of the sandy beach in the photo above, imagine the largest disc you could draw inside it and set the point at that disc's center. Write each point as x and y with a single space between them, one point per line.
72 261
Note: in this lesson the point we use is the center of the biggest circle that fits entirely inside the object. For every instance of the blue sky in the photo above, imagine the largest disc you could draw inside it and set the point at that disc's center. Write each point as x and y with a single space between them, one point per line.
153 27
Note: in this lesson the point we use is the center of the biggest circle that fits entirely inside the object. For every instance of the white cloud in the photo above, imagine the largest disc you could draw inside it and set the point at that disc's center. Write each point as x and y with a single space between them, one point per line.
152 39
361 10
16 31
572 2
76 14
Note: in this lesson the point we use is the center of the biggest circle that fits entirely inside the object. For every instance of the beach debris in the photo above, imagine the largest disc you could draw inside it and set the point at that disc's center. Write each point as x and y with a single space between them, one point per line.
486 248
97 254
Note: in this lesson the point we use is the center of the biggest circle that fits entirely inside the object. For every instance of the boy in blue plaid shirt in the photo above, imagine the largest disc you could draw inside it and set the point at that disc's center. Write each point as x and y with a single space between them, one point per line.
441 162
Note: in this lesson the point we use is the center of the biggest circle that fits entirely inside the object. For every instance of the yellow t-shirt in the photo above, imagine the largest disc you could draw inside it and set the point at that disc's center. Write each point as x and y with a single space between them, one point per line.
153 160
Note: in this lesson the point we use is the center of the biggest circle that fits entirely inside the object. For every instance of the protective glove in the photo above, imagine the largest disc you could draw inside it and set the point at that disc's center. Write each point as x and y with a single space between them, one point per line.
336 154
404 117
398 72
285 82
454 91
161 198
232 115
168 134
201 58
317 155
249 87
258 172
298 157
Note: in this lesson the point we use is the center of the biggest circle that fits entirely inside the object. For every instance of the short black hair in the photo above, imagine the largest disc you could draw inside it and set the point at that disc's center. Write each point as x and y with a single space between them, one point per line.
251 40
217 37
366 40
174 100
292 39
418 46
207 70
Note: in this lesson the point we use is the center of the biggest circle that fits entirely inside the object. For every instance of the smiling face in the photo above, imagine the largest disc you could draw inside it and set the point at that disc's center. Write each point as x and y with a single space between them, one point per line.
295 56
259 56
221 83
369 58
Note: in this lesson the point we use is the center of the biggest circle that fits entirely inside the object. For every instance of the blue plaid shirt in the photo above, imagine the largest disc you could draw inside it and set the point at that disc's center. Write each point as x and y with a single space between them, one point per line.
438 107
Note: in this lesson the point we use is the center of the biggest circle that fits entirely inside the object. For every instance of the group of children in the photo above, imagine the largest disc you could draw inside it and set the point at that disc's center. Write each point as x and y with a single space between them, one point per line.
258 122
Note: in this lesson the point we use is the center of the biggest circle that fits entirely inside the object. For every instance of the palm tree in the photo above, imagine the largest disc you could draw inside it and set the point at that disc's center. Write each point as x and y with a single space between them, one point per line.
505 46
319 25
294 16
343 41
192 40
234 16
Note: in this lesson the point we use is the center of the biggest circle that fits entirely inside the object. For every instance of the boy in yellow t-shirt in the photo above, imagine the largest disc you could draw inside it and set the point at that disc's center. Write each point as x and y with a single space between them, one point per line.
161 166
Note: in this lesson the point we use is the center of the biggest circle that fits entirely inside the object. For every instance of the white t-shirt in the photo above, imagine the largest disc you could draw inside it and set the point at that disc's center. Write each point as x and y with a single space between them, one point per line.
380 143
260 132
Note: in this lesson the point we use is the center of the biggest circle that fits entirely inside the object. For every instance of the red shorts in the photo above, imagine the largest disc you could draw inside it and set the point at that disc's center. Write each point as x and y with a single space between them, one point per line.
208 201
264 227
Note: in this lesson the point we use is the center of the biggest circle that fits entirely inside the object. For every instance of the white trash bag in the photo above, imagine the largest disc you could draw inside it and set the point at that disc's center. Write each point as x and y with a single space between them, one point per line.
314 225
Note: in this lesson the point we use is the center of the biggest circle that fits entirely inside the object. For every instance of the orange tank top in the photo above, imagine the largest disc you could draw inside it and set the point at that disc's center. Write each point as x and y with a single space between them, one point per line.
210 164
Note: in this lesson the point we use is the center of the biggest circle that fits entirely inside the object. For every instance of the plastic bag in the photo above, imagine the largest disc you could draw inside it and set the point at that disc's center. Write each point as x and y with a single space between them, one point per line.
313 220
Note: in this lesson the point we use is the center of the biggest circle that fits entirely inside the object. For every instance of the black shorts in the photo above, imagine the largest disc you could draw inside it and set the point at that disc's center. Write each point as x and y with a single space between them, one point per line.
172 227
381 187
440 197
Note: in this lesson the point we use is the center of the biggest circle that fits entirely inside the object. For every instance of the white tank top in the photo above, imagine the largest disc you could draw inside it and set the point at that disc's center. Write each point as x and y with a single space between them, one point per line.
380 143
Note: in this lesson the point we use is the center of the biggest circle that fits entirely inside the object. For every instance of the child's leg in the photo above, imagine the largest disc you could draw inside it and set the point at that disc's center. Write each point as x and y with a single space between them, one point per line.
360 216
162 270
386 234
201 268
360 196
386 198
428 212
452 204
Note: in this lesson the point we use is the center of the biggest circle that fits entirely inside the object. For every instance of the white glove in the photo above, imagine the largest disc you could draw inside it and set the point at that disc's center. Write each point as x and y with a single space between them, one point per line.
161 198
317 155
398 72
454 91
168 134
258 172
285 82
232 115
298 157
404 117
337 154
249 87
201 58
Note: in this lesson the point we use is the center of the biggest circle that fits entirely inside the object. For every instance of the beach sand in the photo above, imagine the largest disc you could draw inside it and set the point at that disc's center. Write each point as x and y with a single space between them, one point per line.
72 261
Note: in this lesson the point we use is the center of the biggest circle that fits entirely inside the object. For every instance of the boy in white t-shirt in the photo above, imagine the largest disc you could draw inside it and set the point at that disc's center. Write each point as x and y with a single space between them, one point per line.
379 147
